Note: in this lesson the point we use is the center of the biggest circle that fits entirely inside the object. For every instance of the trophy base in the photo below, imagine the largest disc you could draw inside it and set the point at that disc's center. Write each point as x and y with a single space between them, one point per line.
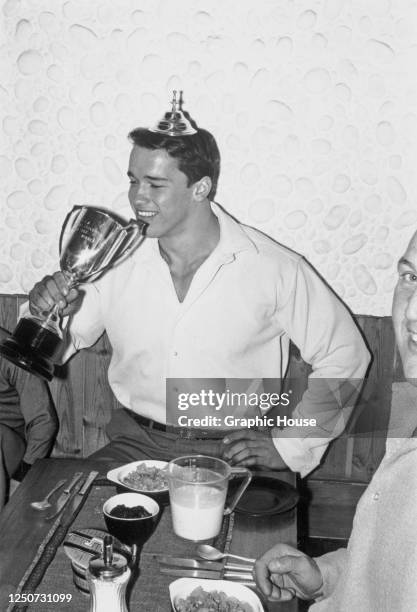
19 355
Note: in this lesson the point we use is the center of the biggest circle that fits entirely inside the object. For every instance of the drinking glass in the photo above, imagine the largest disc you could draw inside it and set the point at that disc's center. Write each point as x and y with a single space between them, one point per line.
197 491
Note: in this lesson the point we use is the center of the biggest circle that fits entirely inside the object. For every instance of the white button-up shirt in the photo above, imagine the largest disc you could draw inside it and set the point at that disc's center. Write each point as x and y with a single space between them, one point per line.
245 303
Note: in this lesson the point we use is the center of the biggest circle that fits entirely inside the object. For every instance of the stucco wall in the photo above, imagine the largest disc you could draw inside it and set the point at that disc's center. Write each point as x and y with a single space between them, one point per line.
313 103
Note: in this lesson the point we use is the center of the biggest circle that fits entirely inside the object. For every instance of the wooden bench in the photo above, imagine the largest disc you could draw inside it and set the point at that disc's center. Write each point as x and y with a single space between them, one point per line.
84 403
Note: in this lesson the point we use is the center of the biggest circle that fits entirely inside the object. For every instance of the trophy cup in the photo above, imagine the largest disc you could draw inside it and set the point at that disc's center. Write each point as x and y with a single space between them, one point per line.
92 240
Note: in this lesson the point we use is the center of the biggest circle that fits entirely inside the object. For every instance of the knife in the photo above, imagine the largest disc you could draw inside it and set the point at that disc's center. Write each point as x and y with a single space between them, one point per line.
204 565
65 495
79 494
241 577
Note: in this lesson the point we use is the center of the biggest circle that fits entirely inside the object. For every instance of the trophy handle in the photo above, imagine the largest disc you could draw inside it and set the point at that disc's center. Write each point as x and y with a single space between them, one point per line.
129 238
135 234
69 223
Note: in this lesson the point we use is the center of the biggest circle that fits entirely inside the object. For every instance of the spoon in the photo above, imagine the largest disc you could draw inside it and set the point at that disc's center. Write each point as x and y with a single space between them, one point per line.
213 554
44 503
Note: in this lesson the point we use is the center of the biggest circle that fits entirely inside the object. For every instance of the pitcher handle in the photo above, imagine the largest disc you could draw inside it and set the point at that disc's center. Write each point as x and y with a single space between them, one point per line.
242 488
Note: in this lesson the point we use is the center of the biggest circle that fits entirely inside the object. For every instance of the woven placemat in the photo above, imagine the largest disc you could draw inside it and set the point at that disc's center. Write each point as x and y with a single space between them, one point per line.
50 573
47 551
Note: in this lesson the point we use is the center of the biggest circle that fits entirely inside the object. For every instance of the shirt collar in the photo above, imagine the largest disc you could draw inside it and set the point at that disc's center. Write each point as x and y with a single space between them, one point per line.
233 238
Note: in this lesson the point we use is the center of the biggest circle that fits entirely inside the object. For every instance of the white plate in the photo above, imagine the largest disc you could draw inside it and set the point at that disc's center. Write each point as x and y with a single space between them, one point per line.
119 473
183 587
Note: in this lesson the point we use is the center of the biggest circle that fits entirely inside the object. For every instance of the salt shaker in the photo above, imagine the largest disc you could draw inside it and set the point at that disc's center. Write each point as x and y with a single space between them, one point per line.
107 578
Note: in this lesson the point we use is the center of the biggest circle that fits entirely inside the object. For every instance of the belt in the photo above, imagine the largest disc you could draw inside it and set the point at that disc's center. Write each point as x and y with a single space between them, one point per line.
149 423
188 434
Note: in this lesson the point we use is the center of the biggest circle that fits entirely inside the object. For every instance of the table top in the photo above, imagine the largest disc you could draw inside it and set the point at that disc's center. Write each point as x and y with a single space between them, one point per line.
22 529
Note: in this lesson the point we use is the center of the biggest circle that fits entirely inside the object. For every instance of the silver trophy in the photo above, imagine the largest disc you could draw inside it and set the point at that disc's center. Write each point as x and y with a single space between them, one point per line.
92 241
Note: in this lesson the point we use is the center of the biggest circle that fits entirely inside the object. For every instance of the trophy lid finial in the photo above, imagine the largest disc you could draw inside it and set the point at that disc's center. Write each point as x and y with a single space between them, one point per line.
175 122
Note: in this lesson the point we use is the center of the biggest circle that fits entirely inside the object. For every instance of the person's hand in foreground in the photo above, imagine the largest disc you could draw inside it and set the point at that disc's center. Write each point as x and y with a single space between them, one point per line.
284 572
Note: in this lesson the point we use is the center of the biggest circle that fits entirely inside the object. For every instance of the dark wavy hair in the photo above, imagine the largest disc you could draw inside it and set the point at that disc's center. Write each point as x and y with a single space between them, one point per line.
197 155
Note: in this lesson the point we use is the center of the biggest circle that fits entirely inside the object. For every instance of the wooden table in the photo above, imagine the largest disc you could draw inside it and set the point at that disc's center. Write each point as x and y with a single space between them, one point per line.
22 529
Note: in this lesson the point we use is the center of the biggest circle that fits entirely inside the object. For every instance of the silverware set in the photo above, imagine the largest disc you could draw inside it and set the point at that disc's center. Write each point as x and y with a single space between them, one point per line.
215 570
74 491
208 552
210 565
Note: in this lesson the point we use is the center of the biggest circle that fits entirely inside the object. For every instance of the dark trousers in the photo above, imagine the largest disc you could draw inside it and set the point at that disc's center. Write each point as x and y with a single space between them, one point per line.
130 441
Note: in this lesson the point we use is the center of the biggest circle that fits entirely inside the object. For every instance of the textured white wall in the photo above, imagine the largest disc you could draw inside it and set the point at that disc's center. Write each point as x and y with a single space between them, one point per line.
313 103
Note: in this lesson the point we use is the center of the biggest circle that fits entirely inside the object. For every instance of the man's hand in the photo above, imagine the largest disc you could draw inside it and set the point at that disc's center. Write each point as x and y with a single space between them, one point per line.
53 290
284 572
250 447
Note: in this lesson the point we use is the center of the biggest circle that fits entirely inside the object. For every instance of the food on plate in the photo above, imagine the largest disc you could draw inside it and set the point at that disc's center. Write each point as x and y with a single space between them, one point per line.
129 512
144 478
210 601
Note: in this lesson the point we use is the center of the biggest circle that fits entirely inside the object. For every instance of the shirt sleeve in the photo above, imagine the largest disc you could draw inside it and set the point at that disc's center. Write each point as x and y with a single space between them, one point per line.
83 328
331 565
41 423
328 339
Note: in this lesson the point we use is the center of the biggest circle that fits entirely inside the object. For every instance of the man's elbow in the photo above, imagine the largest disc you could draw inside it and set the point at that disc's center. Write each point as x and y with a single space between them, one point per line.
50 438
51 427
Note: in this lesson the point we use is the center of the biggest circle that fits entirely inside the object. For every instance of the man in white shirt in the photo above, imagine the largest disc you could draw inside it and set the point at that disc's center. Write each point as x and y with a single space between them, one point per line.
377 571
205 297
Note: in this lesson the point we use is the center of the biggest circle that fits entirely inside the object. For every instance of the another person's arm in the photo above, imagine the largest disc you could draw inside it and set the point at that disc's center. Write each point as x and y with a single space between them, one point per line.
41 423
284 572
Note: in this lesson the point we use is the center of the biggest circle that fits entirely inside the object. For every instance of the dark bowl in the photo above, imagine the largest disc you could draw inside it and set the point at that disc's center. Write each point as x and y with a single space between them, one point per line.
131 530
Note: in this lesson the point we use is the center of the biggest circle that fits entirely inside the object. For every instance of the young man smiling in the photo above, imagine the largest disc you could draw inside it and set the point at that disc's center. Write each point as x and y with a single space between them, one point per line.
175 207
205 297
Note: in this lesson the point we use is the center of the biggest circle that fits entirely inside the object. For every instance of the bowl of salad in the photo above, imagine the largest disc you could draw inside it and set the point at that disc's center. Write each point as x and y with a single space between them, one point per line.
193 594
147 477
